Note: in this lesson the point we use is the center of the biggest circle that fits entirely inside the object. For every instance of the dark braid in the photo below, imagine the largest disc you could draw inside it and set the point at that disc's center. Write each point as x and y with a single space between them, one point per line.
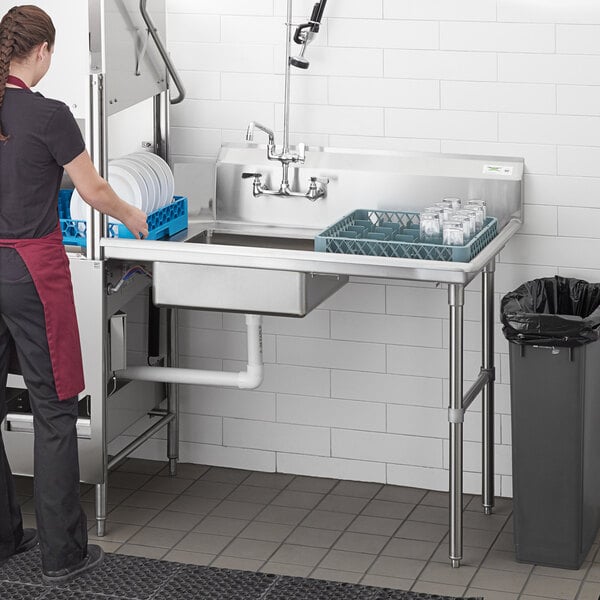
7 37
21 29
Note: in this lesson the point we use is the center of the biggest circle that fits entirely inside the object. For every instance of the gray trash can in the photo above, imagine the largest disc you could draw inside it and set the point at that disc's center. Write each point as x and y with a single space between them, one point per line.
552 326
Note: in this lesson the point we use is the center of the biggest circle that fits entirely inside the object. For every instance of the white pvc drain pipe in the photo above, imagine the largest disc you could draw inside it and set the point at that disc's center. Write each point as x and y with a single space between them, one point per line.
249 379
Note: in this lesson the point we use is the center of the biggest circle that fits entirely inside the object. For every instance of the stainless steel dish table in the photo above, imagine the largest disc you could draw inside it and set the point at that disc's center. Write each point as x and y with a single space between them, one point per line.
391 181
456 275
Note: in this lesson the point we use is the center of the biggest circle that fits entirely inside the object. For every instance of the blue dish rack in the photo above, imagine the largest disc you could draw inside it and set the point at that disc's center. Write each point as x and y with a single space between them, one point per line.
396 235
164 222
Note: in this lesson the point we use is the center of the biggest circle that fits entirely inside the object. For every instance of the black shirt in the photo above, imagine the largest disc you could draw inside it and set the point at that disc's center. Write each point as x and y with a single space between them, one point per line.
43 137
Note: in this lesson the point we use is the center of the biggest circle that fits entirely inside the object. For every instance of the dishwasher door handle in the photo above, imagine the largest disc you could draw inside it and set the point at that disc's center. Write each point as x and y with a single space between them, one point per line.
163 53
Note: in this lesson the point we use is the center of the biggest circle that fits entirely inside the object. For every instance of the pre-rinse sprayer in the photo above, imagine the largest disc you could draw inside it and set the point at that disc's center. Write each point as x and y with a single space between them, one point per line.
305 33
318 187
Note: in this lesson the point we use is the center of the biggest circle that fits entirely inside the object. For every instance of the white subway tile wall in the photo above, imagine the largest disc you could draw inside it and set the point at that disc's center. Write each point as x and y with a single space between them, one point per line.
358 389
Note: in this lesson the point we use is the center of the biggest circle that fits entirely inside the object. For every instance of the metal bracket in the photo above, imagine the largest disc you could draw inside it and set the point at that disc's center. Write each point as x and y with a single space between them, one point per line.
491 372
456 415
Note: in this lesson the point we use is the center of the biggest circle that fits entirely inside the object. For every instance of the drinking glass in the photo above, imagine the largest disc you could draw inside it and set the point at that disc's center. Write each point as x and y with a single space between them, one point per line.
453 233
429 226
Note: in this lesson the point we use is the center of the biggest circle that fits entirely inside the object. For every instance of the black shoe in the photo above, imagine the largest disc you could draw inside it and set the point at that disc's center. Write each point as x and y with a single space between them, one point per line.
29 541
94 557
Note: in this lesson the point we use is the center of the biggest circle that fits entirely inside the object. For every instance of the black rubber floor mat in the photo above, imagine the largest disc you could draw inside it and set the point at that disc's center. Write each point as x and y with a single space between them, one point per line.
123 577
209 583
20 591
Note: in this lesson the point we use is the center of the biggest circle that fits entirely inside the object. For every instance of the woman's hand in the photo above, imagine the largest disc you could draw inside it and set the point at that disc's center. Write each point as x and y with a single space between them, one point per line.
135 221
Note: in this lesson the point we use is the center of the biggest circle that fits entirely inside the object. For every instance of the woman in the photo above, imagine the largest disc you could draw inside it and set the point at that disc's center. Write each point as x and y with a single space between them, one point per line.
38 138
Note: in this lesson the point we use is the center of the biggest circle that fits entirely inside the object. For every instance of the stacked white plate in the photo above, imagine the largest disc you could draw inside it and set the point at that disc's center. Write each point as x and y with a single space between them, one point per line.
142 179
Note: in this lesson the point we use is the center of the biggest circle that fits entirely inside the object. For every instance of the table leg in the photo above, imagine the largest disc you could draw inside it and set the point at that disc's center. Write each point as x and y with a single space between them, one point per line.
173 390
455 417
101 504
487 343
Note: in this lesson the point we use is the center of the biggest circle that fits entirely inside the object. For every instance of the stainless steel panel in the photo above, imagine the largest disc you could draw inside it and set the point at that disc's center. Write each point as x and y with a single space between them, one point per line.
363 179
258 291
122 49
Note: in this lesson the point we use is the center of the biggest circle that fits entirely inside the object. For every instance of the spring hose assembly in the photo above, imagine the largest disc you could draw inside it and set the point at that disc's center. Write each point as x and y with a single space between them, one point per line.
318 186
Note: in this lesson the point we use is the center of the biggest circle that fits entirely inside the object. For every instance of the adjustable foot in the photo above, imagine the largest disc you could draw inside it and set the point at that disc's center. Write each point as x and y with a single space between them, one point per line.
100 527
455 563
488 510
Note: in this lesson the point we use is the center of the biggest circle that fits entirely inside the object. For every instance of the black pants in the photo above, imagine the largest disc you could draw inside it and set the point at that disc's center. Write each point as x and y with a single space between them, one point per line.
61 522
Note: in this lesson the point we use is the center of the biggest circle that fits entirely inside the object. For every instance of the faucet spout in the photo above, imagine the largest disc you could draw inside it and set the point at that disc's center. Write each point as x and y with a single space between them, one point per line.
255 125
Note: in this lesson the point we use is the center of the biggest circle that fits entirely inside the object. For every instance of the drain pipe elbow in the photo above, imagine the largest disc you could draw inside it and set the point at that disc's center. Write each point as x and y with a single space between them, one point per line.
251 378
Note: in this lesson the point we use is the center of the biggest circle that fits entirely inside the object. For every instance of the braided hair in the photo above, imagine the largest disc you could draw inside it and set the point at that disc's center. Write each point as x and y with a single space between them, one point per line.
21 29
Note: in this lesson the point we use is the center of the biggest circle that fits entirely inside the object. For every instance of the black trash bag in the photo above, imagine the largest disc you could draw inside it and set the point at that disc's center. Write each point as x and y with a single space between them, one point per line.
553 311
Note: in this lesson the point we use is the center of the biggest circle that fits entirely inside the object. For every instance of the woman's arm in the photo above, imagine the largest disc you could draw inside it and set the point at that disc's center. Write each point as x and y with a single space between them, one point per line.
97 193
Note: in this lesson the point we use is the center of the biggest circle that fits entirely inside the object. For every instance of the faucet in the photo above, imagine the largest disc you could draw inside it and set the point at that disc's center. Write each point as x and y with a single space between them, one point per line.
318 187
255 125
285 156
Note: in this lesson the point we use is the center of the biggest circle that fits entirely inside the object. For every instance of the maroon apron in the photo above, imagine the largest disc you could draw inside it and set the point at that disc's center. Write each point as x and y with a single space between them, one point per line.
47 262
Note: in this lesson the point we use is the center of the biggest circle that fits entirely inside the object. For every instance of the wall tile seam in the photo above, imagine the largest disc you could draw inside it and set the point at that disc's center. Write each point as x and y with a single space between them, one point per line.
566 53
385 435
593 178
335 370
413 18
232 332
490 22
203 156
221 416
318 340
555 54
286 396
556 23
580 117
299 335
338 427
192 329
356 311
341 399
458 110
388 404
295 452
503 52
199 128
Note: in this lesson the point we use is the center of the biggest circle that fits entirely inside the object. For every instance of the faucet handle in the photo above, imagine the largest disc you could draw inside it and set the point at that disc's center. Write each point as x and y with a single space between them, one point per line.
301 152
248 175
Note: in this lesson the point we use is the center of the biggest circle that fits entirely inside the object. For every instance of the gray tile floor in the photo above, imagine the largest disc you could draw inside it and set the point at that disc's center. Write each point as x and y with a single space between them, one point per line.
324 528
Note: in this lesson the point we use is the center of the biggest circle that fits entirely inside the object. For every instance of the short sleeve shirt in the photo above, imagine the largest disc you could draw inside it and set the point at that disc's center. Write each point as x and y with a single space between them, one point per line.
44 137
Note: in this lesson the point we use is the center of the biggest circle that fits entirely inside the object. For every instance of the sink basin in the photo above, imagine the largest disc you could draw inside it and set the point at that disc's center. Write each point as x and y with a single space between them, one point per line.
228 238
243 289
